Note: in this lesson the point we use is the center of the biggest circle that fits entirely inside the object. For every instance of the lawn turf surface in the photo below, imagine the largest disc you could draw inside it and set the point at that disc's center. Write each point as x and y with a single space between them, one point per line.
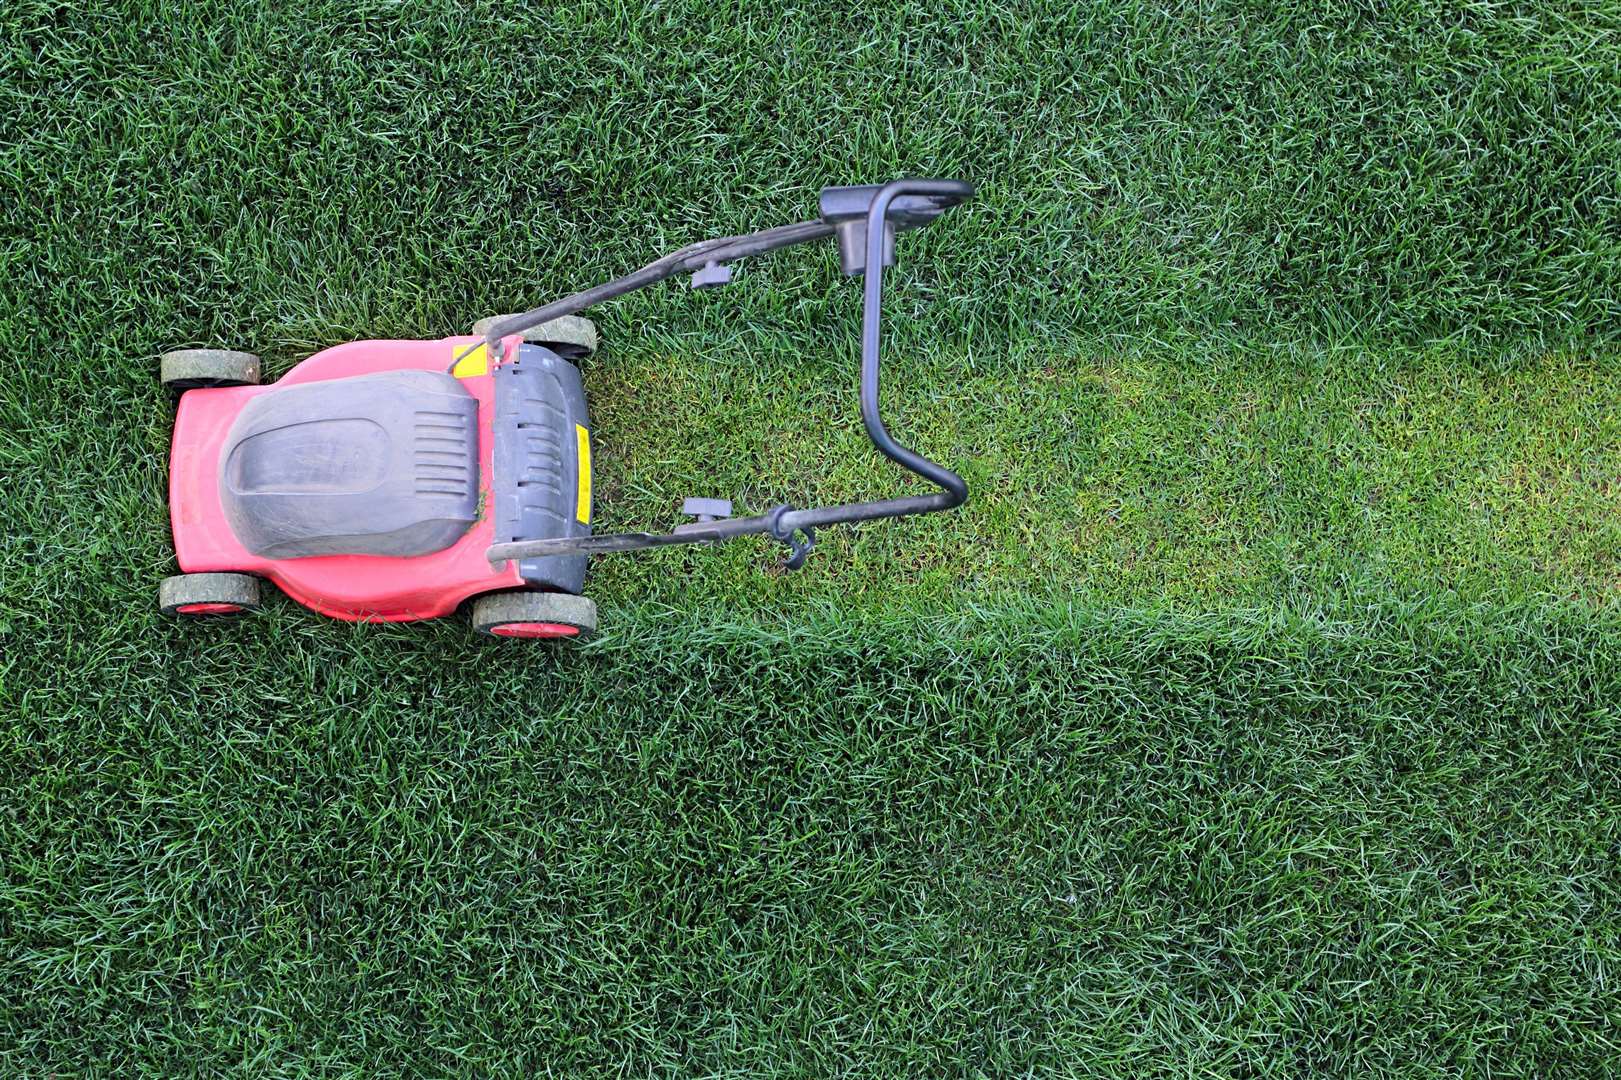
1258 715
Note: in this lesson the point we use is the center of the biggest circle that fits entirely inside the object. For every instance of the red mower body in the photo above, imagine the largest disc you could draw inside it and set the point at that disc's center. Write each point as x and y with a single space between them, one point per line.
352 587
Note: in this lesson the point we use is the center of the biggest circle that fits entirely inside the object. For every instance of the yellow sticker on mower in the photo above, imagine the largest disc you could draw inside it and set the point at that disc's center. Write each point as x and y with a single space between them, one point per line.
582 504
476 362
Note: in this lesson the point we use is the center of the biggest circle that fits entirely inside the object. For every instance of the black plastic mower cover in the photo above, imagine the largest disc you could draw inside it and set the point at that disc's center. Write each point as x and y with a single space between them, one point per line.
865 220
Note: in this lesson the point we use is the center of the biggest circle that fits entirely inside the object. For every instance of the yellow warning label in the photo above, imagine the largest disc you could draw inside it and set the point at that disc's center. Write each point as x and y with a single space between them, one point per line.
582 506
476 362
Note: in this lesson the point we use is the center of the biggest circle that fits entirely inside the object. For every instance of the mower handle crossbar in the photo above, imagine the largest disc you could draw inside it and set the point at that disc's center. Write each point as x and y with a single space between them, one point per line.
867 243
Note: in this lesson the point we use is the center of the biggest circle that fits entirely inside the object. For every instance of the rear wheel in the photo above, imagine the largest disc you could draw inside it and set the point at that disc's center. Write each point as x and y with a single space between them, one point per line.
573 337
209 594
535 615
190 369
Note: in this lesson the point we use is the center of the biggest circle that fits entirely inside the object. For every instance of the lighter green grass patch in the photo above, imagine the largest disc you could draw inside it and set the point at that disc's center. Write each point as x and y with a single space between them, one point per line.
1229 478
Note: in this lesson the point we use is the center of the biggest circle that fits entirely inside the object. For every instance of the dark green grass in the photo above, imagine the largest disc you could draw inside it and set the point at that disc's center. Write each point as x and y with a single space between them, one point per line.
1378 839
1268 171
1258 715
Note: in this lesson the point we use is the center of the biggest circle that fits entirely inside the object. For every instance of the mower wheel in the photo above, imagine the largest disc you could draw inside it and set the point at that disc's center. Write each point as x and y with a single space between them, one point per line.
209 594
535 615
190 369
573 337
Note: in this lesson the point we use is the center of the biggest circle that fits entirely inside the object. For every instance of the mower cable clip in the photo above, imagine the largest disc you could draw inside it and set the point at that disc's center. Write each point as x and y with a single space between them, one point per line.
797 548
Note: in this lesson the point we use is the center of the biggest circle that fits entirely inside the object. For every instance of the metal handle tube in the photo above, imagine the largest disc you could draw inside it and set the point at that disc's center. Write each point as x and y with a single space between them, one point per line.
955 491
721 249
710 532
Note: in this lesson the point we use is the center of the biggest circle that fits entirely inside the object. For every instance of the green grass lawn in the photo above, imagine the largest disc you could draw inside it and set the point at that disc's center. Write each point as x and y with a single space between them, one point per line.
1259 715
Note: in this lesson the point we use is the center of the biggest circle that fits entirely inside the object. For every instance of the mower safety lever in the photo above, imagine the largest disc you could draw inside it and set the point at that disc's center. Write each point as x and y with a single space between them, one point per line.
866 243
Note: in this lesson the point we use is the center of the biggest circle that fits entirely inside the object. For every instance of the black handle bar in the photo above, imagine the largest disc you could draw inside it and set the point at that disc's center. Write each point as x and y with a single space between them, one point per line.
924 199
955 491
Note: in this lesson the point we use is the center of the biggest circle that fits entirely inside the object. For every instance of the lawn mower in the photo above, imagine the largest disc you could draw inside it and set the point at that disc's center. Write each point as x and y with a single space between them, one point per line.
396 480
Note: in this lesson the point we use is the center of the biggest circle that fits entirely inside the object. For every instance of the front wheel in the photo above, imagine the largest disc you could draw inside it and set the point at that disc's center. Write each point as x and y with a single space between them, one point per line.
191 369
535 615
209 594
573 337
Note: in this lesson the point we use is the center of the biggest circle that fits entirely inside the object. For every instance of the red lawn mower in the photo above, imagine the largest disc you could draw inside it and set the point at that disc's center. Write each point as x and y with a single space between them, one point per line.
395 480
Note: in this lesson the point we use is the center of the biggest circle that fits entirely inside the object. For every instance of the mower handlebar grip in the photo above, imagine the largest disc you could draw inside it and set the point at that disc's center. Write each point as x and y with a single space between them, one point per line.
946 193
